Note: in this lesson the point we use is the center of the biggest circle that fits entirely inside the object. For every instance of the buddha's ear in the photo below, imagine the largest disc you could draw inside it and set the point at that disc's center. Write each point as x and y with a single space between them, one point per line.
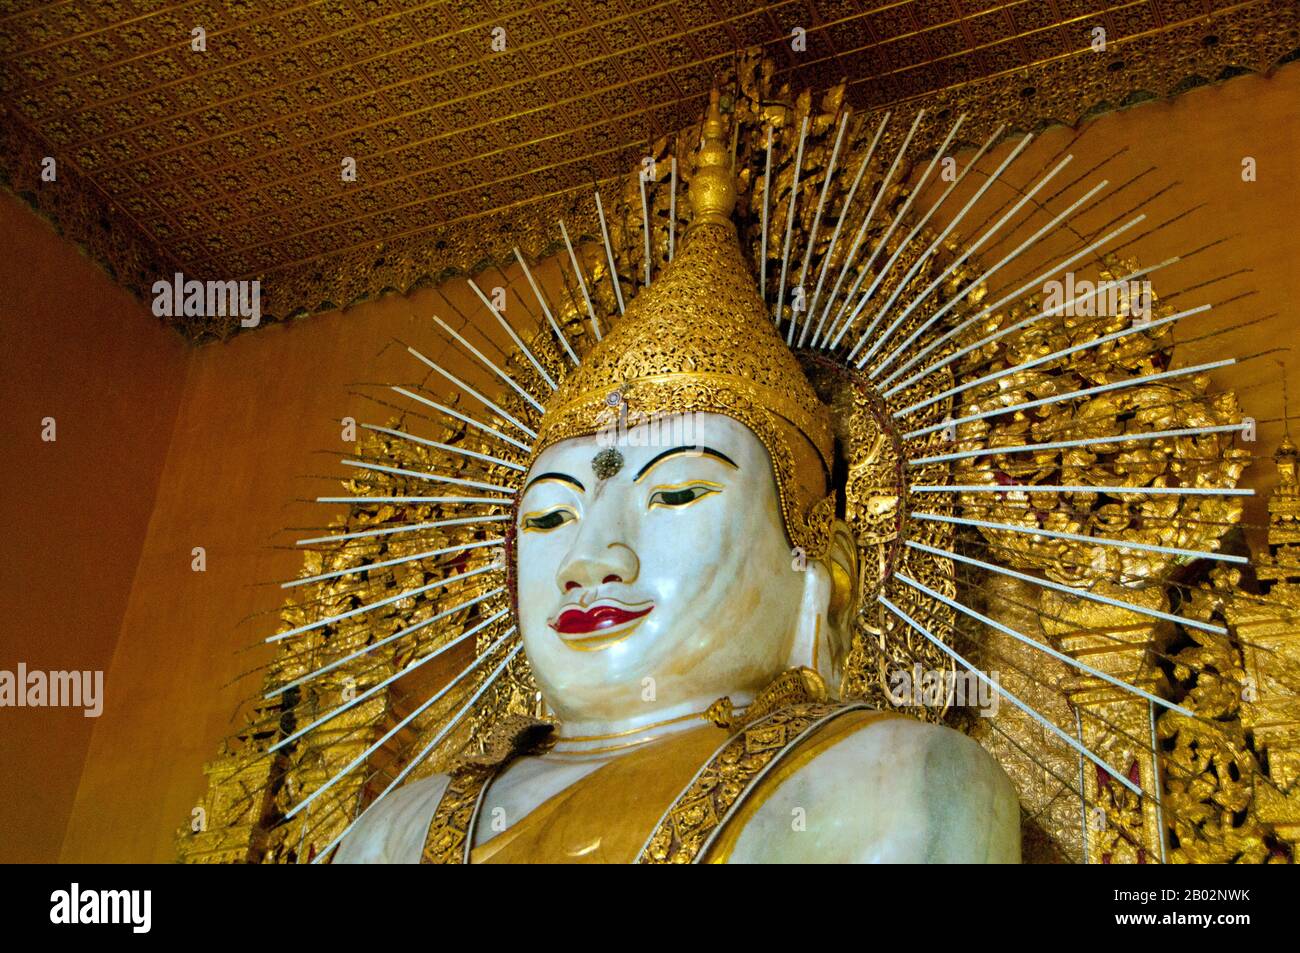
842 564
825 628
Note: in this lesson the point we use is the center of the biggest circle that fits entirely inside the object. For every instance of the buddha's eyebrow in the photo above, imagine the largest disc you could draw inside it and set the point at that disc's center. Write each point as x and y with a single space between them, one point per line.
679 451
561 477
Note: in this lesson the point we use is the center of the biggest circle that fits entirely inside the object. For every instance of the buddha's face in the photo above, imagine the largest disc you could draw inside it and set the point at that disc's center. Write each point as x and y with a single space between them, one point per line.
656 578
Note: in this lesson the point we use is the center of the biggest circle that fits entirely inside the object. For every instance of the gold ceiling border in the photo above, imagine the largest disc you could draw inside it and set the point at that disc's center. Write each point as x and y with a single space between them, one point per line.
79 211
1067 91
1249 38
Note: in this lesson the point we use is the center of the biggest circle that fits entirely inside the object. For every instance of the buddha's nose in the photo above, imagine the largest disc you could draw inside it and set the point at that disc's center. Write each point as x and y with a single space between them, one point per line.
587 567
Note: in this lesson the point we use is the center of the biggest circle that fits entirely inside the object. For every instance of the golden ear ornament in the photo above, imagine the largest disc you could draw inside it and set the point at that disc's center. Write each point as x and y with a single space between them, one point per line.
1026 490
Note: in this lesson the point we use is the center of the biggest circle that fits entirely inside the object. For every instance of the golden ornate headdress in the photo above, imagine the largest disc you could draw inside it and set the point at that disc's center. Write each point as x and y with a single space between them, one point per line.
1028 487
700 340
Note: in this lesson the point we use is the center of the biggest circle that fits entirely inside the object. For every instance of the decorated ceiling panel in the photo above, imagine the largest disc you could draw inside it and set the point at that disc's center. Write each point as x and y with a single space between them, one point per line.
339 149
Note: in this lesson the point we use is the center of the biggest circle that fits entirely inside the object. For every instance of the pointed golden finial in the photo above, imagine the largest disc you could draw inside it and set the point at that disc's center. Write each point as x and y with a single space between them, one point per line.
1286 409
713 189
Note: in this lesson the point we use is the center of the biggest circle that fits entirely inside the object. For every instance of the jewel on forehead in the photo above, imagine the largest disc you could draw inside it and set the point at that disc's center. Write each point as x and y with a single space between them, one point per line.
606 463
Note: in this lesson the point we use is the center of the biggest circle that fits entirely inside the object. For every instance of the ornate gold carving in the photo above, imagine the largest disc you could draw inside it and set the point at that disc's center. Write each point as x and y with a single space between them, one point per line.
451 832
699 340
713 187
226 827
794 686
511 735
1047 775
1211 775
1269 635
1195 523
1115 723
679 352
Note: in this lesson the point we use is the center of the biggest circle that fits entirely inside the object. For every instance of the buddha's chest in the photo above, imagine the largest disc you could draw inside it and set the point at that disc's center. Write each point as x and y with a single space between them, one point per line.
681 799
559 810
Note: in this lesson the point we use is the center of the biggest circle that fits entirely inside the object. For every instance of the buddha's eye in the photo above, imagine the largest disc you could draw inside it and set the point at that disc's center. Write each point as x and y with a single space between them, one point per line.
544 522
683 494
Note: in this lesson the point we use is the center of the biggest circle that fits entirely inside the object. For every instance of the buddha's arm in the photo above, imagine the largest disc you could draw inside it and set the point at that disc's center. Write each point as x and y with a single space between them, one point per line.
393 832
897 791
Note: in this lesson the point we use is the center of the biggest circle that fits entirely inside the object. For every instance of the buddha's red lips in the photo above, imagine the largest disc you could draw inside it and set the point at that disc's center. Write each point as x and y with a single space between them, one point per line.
595 619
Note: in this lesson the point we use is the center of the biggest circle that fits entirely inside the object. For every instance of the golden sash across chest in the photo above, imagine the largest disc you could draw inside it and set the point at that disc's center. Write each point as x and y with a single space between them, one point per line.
654 806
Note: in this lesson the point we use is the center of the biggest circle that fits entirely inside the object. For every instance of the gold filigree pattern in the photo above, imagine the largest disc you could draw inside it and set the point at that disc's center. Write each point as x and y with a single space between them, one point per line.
450 833
1211 772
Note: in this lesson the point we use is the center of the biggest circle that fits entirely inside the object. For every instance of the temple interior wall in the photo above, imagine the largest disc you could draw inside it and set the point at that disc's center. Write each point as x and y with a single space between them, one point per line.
162 448
83 351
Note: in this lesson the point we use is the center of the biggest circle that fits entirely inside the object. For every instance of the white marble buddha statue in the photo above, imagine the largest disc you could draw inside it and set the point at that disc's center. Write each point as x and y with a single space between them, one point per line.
686 606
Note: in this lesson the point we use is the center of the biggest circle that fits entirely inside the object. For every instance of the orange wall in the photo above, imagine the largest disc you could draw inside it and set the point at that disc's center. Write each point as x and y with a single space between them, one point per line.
257 434
256 429
77 348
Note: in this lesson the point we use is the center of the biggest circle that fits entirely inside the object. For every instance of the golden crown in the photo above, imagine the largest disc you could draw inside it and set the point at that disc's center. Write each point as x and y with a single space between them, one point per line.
699 340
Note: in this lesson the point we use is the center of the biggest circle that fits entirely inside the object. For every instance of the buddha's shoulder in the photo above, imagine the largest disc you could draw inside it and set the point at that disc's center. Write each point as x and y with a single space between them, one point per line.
873 741
393 830
869 786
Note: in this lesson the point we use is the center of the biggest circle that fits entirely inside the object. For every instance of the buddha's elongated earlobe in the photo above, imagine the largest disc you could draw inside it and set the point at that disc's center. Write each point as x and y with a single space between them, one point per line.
824 629
809 648
841 562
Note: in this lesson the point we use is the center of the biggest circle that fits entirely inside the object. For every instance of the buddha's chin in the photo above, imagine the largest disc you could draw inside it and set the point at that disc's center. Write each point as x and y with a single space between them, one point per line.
627 671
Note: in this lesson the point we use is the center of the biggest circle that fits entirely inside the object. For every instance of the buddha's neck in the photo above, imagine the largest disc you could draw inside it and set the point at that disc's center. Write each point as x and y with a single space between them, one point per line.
581 737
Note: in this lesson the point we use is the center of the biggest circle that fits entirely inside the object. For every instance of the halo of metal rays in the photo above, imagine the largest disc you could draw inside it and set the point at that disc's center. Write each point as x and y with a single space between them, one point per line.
422 578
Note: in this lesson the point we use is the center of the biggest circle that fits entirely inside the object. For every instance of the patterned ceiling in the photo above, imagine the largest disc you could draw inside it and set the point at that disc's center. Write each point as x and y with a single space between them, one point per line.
226 163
